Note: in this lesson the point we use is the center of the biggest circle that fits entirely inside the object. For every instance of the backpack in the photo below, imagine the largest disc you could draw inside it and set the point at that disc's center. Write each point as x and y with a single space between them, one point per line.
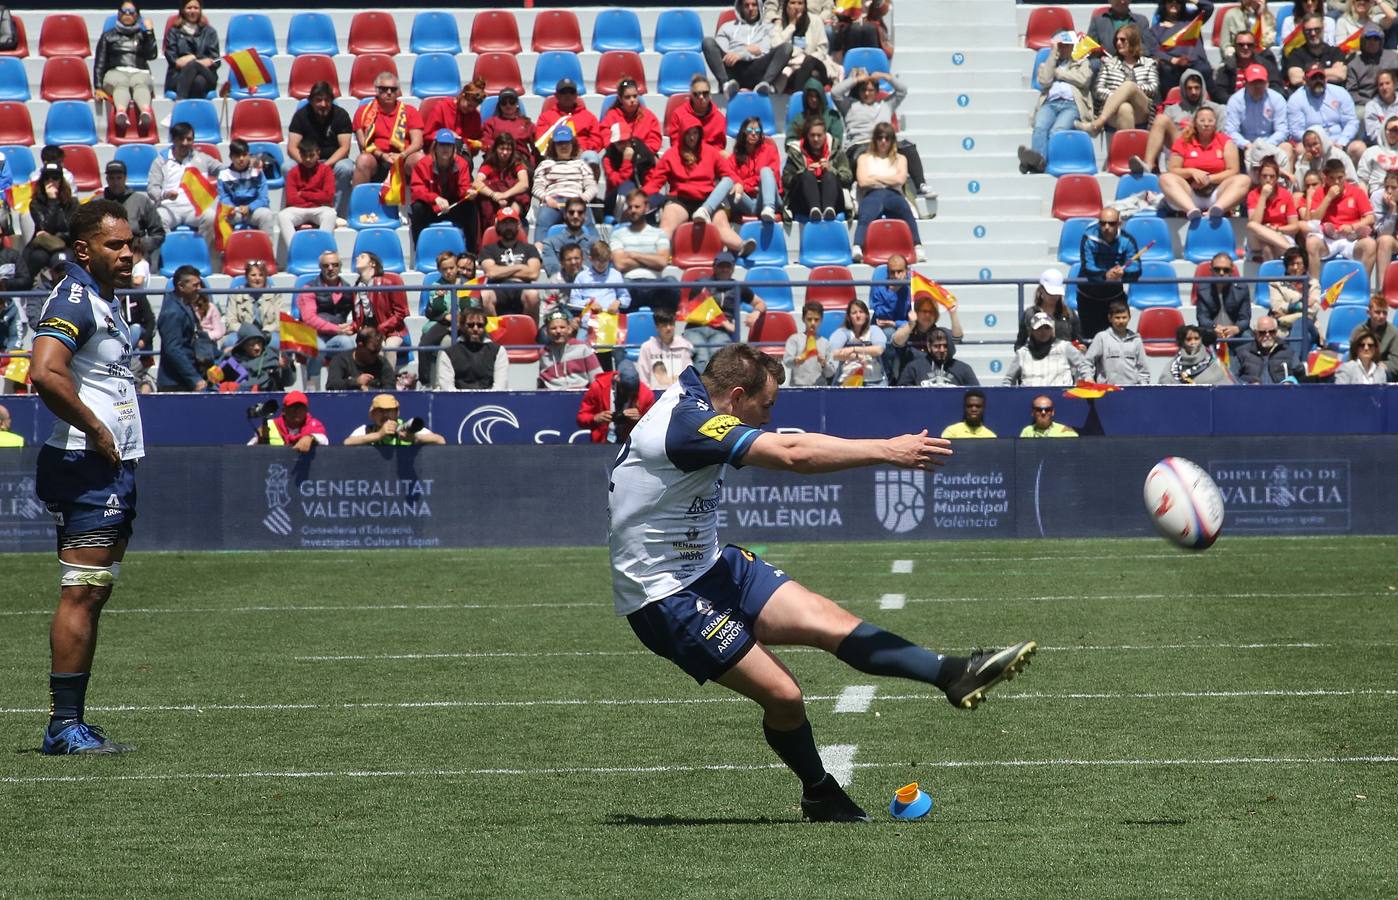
9 39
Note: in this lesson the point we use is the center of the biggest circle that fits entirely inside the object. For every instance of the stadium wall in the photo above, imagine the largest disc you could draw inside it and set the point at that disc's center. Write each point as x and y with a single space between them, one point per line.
367 498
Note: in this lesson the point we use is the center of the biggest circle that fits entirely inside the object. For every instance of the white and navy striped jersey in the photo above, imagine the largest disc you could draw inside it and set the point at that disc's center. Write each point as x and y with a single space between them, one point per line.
77 314
664 493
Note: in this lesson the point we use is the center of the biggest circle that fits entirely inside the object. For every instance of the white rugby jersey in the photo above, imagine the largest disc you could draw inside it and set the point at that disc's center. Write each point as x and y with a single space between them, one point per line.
77 314
664 492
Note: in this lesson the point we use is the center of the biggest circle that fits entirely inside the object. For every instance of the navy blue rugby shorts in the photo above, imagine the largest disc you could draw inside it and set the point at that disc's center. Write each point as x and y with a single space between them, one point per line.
84 492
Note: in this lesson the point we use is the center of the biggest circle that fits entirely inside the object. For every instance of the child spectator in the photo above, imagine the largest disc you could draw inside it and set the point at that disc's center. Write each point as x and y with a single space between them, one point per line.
310 197
243 188
598 288
807 355
665 354
1117 354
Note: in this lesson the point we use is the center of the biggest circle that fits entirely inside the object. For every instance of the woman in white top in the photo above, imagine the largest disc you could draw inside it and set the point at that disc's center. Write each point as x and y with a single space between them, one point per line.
1363 366
810 48
858 347
560 176
881 182
1359 13
859 101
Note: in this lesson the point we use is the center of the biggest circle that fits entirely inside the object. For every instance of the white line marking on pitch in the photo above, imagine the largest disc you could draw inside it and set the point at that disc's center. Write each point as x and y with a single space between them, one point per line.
902 567
367 606
1182 596
855 698
839 761
757 767
892 601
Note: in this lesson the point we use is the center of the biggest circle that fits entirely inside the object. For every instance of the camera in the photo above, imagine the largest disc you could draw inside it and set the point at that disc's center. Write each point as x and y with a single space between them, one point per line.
413 425
264 410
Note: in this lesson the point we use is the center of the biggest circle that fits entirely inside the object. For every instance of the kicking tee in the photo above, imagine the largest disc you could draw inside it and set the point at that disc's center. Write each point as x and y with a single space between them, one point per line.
664 492
77 314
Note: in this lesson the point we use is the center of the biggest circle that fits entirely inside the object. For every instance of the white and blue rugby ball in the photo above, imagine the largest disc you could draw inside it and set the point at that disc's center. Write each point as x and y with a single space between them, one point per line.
1184 503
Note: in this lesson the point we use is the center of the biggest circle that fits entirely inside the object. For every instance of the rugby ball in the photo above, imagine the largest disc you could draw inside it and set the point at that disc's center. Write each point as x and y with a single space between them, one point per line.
1184 503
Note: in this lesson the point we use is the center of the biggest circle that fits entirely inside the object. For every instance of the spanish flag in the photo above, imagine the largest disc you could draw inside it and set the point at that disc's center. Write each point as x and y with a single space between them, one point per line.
1222 354
811 352
297 337
1085 47
17 370
849 7
1296 39
1322 363
247 68
18 196
223 226
1351 43
854 379
492 326
199 189
546 139
1141 252
606 326
706 313
395 187
1257 29
1090 390
1332 293
923 285
1187 36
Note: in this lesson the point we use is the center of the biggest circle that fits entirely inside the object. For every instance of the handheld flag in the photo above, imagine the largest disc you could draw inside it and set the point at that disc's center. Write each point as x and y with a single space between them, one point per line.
546 139
855 378
247 68
605 326
1351 43
1187 36
297 336
1222 354
1141 252
922 285
198 189
1332 293
1322 363
1090 390
18 196
395 187
17 370
223 226
1297 38
706 313
1085 47
492 326
811 352
1257 30
849 7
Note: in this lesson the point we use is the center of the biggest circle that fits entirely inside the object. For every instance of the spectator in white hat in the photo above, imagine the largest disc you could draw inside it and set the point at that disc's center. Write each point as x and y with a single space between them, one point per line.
1049 300
1063 99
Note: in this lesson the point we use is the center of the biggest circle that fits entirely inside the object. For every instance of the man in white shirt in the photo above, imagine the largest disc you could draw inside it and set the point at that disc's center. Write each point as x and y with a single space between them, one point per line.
641 251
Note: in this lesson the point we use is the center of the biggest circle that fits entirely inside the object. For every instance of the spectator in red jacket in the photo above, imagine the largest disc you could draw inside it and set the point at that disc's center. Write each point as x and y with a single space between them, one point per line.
384 311
756 170
631 136
693 172
462 118
502 180
441 189
565 105
309 197
700 110
614 403
510 119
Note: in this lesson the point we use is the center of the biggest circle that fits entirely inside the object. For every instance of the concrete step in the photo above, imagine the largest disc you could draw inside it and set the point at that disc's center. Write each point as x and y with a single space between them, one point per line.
928 72
976 141
968 163
984 229
971 97
968 121
988 185
1026 207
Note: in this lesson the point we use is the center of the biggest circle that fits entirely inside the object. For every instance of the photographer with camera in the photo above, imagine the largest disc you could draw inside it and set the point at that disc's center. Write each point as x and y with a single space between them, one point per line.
295 427
385 429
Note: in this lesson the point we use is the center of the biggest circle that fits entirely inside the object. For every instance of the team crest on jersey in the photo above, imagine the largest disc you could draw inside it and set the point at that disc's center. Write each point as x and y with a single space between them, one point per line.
719 426
62 326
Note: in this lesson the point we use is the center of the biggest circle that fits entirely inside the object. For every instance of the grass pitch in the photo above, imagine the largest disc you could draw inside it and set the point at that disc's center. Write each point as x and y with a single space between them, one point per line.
478 723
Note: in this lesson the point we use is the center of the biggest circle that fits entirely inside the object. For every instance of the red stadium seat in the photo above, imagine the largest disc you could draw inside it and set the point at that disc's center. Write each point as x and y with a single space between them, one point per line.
65 78
616 65
523 333
698 273
210 150
695 244
21 39
498 71
886 237
245 246
133 134
1076 195
64 34
366 68
307 69
425 110
1390 284
81 160
728 15
489 237
373 32
1126 144
1044 23
1219 13
831 297
495 31
674 103
1203 270
556 29
15 124
1157 326
772 327
256 120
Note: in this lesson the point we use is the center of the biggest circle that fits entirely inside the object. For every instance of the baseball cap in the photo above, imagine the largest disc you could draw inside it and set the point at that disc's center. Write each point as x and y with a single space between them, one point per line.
116 167
557 313
384 401
725 256
565 84
1255 72
563 133
507 212
1315 69
1373 30
444 136
1052 282
1065 37
1040 320
294 397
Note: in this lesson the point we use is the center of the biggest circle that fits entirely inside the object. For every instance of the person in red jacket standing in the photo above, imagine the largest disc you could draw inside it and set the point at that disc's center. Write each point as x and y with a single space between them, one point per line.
700 110
384 311
310 197
631 136
614 403
756 168
698 180
564 107
441 189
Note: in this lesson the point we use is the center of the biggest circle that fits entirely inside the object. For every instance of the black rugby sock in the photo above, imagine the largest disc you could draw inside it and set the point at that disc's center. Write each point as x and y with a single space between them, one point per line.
870 649
67 691
798 750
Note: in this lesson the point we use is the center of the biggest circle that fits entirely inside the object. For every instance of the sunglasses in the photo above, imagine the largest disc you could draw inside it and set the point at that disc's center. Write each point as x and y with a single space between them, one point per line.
508 101
1266 331
389 89
1223 270
1368 345
753 129
700 94
1043 409
474 325
1111 222
1312 30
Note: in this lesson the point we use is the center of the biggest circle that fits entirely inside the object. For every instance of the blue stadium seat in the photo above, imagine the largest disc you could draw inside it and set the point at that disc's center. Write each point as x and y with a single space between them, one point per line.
554 65
185 248
70 122
435 75
825 244
202 114
1343 320
1070 239
750 103
678 29
1145 296
640 327
424 296
251 30
1039 57
433 240
793 107
1129 184
434 32
275 180
870 59
14 82
21 162
385 243
364 200
312 33
771 244
303 258
489 103
1205 239
833 320
617 29
1149 228
138 158
1071 153
1070 292
776 298
269 91
676 69
1355 291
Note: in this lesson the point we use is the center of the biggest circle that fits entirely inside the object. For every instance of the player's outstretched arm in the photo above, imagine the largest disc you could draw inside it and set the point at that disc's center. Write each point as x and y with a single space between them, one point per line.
812 453
49 370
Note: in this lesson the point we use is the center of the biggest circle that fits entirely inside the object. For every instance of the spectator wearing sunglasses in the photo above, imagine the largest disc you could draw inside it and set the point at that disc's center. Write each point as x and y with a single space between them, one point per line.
1240 21
1363 366
510 118
881 189
1317 51
756 167
631 137
699 110
1225 307
1266 360
1041 423
1109 262
387 129
1240 53
121 68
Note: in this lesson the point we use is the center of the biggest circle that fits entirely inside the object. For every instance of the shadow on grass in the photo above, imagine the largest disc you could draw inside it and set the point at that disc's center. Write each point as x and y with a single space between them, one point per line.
1155 822
674 821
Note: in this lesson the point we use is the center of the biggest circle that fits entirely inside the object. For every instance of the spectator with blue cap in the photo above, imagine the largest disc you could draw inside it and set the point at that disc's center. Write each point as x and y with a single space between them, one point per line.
440 184
562 175
566 108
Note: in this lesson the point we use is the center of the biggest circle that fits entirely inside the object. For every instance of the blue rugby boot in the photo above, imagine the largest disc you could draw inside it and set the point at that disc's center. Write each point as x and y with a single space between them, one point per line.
81 738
